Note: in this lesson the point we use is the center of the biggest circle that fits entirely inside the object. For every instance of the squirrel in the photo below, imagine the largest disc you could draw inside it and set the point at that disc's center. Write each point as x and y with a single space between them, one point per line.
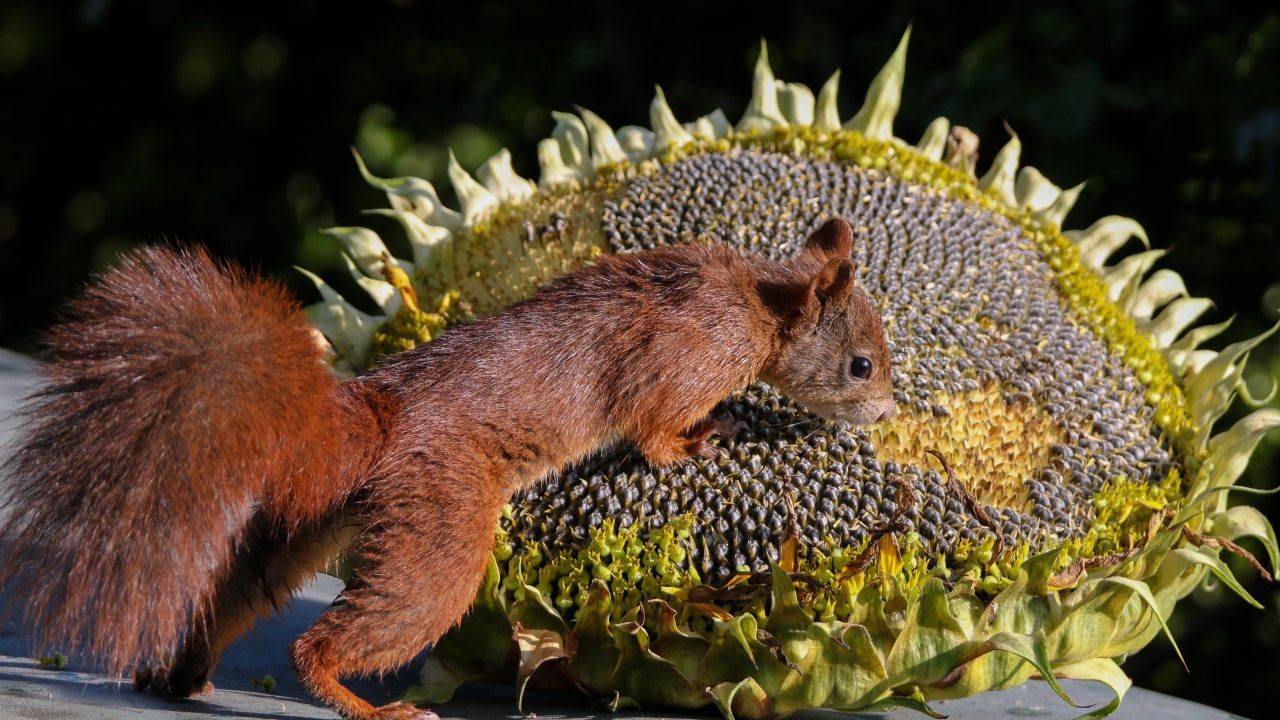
191 460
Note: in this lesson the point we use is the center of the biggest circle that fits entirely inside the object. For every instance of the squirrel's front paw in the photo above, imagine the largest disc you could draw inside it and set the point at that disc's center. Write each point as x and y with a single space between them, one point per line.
662 447
163 682
404 711
697 436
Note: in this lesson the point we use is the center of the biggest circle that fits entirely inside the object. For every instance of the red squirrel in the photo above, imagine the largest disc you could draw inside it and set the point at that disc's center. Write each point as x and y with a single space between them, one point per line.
191 461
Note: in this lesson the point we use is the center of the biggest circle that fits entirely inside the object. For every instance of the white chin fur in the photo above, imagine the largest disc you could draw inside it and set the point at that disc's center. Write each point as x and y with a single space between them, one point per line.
863 413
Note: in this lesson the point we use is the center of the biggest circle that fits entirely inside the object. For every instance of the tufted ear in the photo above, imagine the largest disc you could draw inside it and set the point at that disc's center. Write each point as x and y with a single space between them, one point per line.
833 285
833 239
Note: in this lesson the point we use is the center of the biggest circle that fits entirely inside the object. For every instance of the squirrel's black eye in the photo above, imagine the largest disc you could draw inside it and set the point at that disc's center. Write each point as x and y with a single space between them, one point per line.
861 368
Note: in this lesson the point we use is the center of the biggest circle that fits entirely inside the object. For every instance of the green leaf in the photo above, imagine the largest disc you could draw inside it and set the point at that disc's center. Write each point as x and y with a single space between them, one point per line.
616 703
985 669
1036 571
1210 392
969 612
1147 561
1204 556
914 701
776 664
992 671
868 611
730 656
1137 626
647 677
1229 452
847 674
533 612
1144 592
1022 607
684 650
1030 648
537 648
1088 625
786 618
1205 495
931 643
440 677
1099 670
1242 521
746 697
597 655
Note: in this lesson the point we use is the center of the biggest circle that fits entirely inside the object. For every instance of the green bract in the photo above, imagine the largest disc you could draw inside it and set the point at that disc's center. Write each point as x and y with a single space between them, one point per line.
1078 490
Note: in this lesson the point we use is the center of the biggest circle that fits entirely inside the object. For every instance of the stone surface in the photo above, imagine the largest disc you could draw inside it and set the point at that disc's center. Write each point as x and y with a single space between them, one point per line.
74 694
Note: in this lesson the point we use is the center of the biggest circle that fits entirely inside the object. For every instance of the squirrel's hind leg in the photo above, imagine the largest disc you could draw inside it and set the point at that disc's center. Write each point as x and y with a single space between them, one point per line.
268 568
420 566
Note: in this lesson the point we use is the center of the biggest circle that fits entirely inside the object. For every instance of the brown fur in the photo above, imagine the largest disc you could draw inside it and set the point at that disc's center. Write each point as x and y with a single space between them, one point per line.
192 463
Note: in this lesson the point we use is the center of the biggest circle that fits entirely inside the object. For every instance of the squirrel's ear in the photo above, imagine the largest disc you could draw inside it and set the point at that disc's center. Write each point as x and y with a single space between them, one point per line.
833 285
801 303
834 239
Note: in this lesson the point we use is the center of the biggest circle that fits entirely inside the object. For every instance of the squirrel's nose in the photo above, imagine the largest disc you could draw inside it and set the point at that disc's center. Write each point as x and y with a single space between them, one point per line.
887 414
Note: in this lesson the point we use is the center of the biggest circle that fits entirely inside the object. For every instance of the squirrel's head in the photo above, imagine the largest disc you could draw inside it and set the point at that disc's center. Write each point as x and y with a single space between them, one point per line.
831 357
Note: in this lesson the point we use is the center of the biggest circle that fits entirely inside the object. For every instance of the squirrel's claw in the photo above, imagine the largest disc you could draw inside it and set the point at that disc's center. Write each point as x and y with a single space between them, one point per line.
142 678
404 711
157 678
708 428
727 427
707 452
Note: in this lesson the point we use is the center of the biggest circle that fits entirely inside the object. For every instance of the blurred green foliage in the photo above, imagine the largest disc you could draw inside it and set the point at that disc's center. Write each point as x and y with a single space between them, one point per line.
228 123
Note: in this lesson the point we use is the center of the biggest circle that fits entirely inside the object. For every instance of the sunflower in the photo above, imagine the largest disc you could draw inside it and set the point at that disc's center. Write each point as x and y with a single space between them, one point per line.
1051 488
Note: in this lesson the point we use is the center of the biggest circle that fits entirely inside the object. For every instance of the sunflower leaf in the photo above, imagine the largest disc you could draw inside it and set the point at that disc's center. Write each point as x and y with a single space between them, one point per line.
914 701
1100 670
1143 591
1246 521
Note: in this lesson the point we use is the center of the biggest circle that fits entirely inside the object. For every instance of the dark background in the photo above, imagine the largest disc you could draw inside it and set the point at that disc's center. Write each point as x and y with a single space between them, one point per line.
229 123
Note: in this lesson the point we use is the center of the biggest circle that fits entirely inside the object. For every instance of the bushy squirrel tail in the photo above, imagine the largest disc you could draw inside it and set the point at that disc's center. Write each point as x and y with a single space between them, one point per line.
180 397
